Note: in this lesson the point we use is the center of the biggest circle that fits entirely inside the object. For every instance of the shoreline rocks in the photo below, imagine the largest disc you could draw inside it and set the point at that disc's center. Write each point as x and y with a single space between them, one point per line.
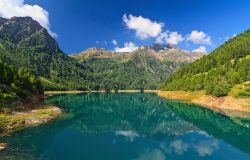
35 117
3 146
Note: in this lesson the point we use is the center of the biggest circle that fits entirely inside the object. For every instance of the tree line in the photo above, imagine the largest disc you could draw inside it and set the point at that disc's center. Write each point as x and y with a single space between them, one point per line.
217 72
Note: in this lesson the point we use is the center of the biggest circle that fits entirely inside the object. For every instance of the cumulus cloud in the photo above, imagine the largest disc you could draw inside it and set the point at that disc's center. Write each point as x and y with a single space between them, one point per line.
144 27
179 146
201 49
206 148
169 37
114 42
199 37
128 47
130 135
11 8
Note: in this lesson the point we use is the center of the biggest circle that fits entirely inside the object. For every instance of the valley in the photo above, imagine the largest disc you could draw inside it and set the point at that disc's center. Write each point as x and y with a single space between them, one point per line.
93 69
25 44
124 80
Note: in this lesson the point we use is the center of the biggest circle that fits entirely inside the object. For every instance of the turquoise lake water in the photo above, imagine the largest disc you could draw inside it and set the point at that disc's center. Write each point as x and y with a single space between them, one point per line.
130 126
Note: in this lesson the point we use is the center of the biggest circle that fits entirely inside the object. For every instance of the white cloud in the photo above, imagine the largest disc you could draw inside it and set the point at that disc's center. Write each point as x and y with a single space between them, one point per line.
11 8
155 154
227 37
144 27
130 135
114 42
206 148
201 49
128 47
169 37
179 146
161 38
199 37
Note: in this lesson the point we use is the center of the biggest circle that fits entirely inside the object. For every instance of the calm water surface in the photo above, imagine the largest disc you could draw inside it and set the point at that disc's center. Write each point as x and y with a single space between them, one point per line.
130 126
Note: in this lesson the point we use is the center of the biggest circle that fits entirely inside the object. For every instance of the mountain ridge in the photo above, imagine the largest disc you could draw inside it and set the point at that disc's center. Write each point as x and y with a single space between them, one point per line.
145 67
162 51
25 43
218 72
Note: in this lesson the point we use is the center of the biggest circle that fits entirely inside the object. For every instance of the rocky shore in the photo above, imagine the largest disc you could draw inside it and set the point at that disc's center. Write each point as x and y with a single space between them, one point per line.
11 122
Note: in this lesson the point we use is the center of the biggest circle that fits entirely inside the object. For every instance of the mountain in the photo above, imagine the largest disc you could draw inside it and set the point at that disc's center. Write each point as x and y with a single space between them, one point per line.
25 43
219 72
145 67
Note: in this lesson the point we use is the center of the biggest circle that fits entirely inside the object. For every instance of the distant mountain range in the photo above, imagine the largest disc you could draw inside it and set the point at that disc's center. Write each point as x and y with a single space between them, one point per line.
24 43
162 52
147 67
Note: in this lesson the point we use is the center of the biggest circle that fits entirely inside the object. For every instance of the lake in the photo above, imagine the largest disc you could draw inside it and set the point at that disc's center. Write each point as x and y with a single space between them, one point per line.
130 126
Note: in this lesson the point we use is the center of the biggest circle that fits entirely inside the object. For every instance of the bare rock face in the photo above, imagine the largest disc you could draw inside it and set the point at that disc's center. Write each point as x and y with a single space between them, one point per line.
157 47
2 20
166 52
18 28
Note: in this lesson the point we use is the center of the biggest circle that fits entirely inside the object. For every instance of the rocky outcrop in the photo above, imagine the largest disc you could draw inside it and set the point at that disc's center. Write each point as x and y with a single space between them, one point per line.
18 28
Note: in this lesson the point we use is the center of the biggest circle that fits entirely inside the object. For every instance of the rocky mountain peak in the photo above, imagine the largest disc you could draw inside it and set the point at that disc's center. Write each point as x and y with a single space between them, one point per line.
95 49
18 28
2 20
158 47
26 32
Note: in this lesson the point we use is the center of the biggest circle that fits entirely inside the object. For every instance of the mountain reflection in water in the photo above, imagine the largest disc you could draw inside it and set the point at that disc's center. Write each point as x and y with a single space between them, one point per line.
130 126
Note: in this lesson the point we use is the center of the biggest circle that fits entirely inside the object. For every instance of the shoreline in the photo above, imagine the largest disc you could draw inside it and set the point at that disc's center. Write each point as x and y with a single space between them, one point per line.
228 105
49 93
14 121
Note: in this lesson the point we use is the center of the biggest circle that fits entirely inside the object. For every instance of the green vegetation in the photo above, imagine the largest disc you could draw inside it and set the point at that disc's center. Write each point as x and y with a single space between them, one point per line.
19 120
24 43
138 70
145 68
16 85
36 50
241 90
217 72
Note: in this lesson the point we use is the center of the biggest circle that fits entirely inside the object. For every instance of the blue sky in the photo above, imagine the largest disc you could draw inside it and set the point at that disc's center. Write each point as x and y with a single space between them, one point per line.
81 24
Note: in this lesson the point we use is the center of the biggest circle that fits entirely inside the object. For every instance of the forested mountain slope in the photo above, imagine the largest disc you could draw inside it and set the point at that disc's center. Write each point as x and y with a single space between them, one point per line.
17 85
24 43
217 72
144 68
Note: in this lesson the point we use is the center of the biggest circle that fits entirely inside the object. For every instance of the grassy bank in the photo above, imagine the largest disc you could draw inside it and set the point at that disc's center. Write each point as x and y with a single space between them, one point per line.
228 105
10 122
